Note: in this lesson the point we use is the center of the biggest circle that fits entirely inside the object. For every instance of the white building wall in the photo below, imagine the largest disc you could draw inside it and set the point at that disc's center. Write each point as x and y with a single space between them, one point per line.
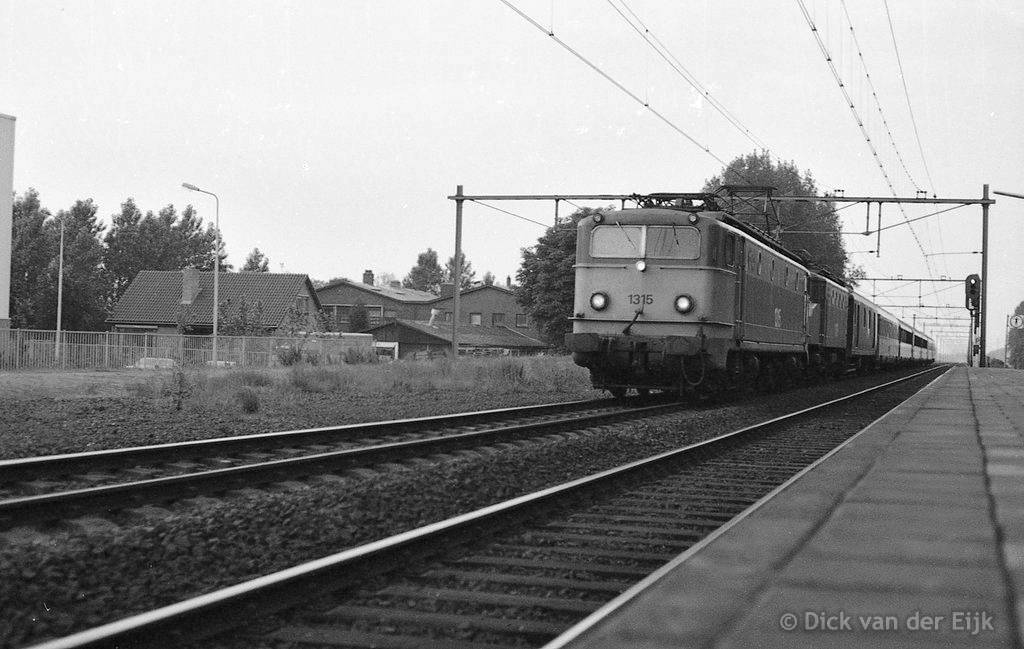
6 207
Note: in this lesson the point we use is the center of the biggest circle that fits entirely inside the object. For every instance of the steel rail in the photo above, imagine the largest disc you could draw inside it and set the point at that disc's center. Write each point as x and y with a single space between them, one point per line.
588 623
19 469
77 502
208 614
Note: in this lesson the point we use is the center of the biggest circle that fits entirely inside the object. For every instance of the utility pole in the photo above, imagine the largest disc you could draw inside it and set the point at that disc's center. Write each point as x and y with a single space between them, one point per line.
983 359
457 272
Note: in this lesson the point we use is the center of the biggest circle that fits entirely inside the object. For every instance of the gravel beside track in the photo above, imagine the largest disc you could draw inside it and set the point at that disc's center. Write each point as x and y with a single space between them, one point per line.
91 572
47 426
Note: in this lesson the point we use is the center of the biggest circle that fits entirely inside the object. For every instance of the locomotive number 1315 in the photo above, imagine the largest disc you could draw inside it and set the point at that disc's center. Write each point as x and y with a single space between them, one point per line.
641 298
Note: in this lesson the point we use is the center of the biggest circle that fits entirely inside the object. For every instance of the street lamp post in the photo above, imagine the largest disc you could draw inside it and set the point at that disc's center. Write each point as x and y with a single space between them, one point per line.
60 293
216 264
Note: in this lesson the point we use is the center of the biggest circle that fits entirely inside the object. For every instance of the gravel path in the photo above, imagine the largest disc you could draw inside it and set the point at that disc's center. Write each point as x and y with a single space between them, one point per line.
95 572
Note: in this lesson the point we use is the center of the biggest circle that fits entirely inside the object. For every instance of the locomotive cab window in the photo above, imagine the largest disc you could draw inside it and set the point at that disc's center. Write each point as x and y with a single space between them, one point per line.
672 242
617 241
638 241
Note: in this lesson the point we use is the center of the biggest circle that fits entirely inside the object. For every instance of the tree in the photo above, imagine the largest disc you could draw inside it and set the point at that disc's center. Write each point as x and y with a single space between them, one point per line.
30 258
547 280
257 262
35 266
358 318
162 241
466 275
427 274
825 249
385 279
489 278
244 320
1015 343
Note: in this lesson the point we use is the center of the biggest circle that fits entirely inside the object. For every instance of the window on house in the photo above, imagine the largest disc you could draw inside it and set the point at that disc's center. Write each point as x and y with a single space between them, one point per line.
447 316
522 320
497 319
475 318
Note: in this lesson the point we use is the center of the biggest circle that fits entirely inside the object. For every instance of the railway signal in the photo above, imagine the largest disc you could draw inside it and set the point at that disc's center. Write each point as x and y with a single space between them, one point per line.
972 290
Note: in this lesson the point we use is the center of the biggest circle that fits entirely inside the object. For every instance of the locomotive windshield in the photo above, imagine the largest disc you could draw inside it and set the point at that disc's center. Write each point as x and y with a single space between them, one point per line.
636 241
616 241
672 242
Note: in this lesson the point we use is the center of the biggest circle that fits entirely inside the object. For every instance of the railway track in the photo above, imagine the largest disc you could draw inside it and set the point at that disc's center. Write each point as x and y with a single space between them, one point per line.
44 489
520 572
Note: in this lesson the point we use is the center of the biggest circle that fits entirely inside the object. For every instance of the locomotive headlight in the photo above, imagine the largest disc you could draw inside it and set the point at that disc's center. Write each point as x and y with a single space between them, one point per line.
693 218
598 218
599 301
684 304
641 265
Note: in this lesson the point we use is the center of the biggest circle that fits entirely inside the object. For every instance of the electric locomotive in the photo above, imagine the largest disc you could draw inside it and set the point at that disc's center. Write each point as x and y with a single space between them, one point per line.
680 295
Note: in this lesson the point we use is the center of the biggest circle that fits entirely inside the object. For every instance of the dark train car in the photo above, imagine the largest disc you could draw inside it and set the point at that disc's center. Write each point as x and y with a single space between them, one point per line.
827 316
861 334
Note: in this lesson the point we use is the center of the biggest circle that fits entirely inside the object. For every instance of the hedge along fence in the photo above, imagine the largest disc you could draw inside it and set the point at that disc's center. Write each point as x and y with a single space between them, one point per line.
37 349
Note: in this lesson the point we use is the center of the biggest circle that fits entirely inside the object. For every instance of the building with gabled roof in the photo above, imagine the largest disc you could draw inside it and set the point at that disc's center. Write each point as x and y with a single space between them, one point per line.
425 339
165 301
488 305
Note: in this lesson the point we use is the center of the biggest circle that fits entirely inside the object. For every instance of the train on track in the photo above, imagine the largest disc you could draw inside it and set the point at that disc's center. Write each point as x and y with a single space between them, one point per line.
680 294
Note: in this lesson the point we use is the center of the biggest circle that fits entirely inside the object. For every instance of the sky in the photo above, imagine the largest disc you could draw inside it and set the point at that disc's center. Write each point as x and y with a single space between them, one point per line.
333 132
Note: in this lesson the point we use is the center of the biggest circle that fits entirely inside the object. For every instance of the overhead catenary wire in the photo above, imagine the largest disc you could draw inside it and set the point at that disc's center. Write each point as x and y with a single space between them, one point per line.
860 124
629 93
874 95
655 43
518 216
906 92
913 120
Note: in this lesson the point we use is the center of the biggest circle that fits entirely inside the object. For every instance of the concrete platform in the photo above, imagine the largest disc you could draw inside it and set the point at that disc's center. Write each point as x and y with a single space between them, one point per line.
910 535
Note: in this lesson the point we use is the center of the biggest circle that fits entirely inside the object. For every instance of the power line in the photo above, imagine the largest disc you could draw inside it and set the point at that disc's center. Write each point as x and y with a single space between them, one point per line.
906 92
874 94
680 69
617 84
518 216
860 123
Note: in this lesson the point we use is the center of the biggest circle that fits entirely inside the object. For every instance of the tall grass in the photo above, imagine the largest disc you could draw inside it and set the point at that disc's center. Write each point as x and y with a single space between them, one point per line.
243 388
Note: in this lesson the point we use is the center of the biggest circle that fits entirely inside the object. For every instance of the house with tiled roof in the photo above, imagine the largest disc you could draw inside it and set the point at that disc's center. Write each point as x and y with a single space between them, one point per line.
488 305
427 339
165 301
381 302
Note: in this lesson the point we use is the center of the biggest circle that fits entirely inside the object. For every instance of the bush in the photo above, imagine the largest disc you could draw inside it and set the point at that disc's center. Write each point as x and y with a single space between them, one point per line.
247 399
361 356
289 355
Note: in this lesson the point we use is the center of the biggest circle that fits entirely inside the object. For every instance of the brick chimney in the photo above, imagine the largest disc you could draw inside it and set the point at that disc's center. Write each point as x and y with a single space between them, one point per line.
368 277
447 289
189 285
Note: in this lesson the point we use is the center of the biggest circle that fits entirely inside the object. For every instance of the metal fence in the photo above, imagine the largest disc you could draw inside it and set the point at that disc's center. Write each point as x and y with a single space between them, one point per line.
38 349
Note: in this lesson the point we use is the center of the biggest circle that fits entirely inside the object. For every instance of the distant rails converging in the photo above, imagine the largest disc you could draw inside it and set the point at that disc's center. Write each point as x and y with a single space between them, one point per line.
39 490
521 572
